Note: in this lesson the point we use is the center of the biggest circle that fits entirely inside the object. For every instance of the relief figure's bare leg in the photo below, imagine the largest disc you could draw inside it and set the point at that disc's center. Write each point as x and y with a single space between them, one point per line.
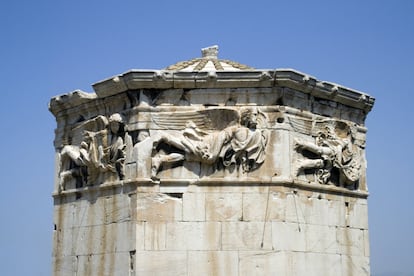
178 141
309 164
319 150
312 147
160 159
67 155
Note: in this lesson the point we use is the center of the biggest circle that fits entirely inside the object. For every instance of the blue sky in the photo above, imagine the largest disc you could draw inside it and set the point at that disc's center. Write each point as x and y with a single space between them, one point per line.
53 47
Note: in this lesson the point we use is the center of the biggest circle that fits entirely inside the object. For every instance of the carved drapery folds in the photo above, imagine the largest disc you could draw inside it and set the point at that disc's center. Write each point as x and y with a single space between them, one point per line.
169 126
221 139
328 153
97 152
240 141
214 152
211 142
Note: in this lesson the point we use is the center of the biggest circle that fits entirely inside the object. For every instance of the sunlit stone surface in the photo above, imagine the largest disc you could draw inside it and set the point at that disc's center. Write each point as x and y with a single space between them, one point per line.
211 167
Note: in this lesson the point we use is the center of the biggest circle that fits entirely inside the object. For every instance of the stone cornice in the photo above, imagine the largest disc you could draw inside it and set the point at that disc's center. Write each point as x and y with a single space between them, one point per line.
154 186
167 79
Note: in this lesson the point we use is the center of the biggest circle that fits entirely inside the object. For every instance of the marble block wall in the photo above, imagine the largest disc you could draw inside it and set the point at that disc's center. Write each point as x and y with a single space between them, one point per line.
211 167
218 229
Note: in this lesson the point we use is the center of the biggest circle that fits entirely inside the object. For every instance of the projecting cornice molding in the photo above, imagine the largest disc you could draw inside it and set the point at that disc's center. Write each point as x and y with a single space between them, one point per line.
167 79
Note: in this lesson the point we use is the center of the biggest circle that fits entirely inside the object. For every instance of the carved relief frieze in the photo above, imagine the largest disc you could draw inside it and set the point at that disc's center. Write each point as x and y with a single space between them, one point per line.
200 142
219 138
155 135
328 153
96 154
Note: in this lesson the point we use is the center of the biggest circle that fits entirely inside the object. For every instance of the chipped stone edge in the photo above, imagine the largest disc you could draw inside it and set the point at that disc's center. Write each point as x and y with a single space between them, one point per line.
285 182
166 79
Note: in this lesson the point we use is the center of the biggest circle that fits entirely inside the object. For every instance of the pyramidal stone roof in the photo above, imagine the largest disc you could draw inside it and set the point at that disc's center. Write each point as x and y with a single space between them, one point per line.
208 62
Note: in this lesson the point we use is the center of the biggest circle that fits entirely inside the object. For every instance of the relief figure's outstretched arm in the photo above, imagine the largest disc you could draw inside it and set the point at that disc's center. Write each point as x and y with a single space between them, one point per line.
312 147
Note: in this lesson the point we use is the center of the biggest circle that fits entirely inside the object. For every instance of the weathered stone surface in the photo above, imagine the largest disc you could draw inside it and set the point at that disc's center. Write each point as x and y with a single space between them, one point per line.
264 206
155 235
366 244
313 208
103 264
194 207
297 236
355 265
139 237
158 207
64 265
93 264
280 160
357 215
211 167
304 237
351 241
213 262
309 263
289 263
63 246
246 236
100 239
93 209
193 236
161 263
222 186
195 141
224 207
263 263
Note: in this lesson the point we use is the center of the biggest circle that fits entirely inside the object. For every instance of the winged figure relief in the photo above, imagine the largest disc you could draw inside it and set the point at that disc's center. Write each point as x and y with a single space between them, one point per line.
101 149
332 150
216 136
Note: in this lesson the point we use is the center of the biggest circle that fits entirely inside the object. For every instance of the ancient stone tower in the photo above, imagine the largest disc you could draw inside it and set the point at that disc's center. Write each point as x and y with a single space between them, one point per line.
211 167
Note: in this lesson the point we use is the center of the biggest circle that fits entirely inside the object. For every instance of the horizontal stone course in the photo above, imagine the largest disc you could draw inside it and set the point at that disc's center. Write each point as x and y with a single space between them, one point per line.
223 206
193 236
211 167
161 263
99 239
213 263
158 207
194 206
246 236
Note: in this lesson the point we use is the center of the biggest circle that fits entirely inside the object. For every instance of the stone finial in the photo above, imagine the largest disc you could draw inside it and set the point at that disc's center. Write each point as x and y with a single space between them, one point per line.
210 52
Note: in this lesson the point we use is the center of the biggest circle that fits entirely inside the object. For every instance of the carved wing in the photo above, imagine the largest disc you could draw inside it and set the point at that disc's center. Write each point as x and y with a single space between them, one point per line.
322 126
315 126
262 120
352 171
341 129
77 133
208 119
96 124
301 125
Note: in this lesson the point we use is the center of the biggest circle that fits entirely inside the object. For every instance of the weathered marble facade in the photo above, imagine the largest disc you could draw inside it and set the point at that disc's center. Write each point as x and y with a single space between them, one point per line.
210 167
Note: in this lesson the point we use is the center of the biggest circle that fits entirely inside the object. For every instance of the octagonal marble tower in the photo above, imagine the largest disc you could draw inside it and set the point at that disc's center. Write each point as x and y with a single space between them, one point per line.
211 167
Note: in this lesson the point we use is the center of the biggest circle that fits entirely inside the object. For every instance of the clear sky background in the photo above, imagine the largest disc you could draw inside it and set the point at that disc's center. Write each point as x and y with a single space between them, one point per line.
53 47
